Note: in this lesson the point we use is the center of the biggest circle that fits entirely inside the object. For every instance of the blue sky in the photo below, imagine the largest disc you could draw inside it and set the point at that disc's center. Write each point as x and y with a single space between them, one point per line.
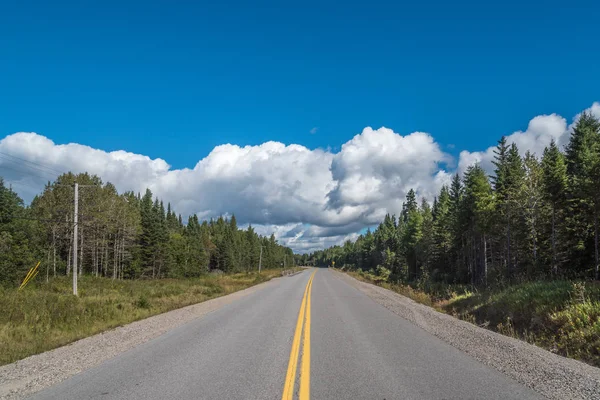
179 80
173 81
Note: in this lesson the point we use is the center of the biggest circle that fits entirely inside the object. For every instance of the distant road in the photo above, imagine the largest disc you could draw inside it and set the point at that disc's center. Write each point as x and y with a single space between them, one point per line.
346 346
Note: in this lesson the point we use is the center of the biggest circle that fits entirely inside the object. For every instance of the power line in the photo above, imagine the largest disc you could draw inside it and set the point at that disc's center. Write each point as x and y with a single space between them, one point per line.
36 173
18 183
36 164
58 221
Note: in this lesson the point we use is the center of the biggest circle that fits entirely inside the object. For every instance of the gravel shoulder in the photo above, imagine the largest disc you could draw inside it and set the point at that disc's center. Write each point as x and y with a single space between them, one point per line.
551 375
32 374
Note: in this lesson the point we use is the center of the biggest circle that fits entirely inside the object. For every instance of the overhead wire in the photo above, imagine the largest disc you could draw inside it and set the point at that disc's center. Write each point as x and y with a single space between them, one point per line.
58 221
19 183
33 164
30 169
45 176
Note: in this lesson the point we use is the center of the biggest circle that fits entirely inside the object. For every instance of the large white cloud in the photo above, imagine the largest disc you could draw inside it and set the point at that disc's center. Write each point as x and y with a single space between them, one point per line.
309 198
375 169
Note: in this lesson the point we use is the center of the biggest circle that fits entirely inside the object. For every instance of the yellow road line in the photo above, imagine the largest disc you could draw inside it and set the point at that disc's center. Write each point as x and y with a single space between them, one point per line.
305 368
290 377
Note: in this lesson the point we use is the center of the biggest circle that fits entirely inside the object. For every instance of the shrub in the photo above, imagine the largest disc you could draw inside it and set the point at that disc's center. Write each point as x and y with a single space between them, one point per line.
142 302
383 273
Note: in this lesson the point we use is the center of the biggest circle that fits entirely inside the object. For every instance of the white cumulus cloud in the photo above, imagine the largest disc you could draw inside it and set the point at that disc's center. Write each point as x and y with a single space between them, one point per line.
309 198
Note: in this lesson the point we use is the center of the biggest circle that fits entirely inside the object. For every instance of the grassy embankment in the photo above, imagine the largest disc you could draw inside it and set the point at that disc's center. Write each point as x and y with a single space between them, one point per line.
45 316
560 316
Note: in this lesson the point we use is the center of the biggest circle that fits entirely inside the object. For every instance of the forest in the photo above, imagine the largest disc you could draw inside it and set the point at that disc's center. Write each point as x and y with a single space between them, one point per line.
535 218
121 236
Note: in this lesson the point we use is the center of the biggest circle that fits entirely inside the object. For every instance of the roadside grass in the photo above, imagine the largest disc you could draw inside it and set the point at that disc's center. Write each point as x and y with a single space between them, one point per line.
44 316
560 316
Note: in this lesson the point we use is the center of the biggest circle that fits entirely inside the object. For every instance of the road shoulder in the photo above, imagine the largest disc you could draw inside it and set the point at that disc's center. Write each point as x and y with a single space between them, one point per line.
551 375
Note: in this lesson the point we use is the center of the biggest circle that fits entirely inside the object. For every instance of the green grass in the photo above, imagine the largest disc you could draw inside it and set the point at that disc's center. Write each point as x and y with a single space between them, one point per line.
45 316
561 316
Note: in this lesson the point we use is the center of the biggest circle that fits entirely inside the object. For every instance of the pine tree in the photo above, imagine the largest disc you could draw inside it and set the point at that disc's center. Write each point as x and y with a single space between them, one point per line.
413 234
410 205
148 235
584 186
425 245
442 234
479 206
555 191
531 200
508 184
457 226
501 164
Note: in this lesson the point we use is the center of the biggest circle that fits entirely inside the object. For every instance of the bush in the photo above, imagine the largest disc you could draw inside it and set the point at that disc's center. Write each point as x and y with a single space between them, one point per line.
383 273
578 331
142 302
562 316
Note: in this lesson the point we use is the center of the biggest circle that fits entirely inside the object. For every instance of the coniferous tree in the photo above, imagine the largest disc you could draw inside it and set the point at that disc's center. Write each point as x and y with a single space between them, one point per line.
555 193
531 199
584 186
120 236
442 235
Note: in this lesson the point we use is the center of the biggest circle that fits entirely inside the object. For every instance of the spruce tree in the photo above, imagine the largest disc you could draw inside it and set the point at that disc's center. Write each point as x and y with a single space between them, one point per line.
584 186
409 205
555 192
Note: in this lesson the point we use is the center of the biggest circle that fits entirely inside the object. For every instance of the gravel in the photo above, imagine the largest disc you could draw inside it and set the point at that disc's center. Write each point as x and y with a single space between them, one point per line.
551 375
27 376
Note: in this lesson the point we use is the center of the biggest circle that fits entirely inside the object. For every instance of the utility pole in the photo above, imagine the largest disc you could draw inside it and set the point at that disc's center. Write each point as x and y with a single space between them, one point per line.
260 259
75 272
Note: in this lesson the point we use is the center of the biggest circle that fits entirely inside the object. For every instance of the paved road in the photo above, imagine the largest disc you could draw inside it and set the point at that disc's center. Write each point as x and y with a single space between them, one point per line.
358 350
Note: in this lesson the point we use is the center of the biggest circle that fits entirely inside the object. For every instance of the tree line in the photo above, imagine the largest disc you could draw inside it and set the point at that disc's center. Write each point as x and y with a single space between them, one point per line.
122 236
533 218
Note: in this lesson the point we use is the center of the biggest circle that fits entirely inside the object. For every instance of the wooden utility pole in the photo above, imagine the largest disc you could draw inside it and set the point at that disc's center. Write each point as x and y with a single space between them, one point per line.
260 259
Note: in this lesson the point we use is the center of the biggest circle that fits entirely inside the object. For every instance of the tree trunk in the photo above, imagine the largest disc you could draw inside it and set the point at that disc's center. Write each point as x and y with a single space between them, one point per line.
101 266
105 266
596 243
485 261
81 253
94 247
69 258
54 250
508 260
554 261
115 255
534 233
70 247
122 256
48 266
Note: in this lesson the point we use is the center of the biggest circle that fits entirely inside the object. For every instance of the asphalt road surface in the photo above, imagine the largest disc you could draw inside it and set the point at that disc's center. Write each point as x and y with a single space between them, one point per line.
324 340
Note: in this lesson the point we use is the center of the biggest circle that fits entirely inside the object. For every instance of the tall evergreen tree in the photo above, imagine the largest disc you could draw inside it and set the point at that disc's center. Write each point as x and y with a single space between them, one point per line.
584 186
555 192
410 205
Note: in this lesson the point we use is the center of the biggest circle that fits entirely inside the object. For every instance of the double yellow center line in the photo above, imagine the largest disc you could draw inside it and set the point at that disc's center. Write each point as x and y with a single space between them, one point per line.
290 377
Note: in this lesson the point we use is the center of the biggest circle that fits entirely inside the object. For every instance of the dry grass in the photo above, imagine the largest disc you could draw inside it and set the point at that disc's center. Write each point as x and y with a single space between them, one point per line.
46 316
405 290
